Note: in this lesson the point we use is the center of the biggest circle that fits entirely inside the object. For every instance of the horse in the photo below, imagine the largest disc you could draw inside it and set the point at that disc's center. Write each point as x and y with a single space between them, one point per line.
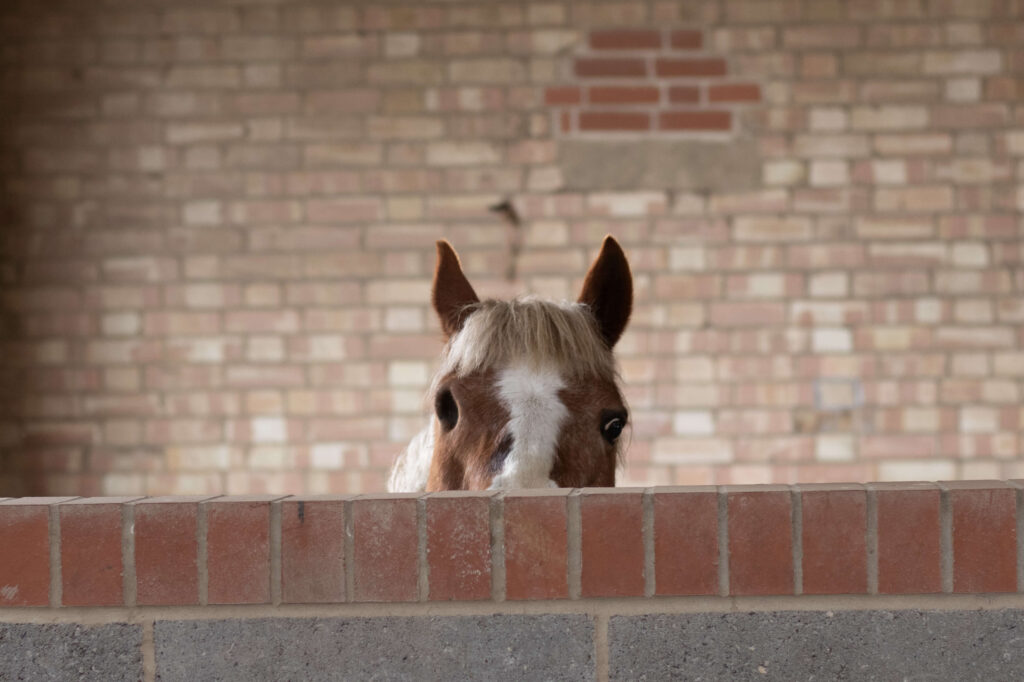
527 394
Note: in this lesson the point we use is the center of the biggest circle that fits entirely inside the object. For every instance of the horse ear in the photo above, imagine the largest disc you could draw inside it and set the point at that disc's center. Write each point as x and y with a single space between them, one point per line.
608 290
452 292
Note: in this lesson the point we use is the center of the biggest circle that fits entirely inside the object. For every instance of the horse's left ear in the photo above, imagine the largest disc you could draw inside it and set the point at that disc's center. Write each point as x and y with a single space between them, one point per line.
608 290
452 292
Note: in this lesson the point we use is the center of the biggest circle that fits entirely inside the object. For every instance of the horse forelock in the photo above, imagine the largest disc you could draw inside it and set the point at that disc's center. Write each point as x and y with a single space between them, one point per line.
529 332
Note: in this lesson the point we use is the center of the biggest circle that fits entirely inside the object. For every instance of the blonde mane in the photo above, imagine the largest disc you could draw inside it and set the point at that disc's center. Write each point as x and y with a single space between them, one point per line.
529 331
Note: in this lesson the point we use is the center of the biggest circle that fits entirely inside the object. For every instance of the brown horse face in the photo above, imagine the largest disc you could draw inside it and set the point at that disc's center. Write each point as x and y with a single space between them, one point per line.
523 427
527 396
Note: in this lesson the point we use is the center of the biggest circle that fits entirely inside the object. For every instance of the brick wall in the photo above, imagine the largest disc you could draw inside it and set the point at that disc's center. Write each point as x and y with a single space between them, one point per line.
827 539
572 575
217 228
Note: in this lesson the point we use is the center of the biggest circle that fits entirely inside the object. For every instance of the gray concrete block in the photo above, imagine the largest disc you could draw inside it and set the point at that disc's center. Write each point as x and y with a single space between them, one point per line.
500 647
803 645
70 652
694 165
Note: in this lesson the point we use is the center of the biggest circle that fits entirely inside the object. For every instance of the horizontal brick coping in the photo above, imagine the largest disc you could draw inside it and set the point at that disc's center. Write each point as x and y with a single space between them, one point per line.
880 538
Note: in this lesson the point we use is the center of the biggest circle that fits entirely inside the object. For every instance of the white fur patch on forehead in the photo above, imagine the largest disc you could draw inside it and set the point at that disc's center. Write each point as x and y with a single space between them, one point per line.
533 332
536 415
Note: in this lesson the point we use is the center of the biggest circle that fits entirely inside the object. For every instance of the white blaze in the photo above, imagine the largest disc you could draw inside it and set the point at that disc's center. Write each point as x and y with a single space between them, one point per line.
536 416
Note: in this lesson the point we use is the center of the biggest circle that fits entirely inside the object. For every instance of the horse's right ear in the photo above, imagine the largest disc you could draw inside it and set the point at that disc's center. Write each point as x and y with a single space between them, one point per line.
452 292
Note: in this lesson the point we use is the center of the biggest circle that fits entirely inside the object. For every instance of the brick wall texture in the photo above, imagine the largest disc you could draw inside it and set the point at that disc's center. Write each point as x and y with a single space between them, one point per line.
217 224
772 540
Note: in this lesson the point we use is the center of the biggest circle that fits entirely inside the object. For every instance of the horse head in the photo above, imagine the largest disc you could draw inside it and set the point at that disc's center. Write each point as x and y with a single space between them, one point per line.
527 394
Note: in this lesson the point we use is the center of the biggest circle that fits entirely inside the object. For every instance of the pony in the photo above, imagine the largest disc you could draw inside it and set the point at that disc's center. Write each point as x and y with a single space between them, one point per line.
527 394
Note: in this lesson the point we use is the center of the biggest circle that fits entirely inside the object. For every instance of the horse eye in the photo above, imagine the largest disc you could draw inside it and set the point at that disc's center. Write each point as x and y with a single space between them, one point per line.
447 409
612 428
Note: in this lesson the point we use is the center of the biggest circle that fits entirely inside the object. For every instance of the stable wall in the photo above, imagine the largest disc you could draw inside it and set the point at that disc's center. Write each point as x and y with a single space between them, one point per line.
886 580
217 229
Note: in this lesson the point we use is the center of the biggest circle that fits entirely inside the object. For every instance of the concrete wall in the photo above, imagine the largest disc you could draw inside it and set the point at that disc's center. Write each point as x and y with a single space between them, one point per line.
878 582
218 219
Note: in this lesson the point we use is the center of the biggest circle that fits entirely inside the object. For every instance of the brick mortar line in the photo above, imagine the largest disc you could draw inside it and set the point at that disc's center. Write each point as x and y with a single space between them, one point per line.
574 545
497 524
56 581
723 542
871 540
797 526
647 528
202 553
422 561
616 606
129 584
946 559
349 552
275 552
1018 495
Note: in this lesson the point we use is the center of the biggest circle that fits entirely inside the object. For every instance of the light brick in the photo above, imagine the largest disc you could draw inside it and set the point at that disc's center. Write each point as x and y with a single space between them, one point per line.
888 118
963 89
461 154
942 63
693 423
894 228
834 448
914 143
784 172
203 213
829 119
832 341
829 173
829 285
758 229
830 146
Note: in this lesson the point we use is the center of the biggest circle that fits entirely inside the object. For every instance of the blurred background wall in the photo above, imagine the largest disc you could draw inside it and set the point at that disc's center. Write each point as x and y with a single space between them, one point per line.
217 224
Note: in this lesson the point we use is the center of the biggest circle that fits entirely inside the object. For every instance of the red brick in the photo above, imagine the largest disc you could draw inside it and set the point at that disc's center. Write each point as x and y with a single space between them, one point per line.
312 550
167 551
684 94
688 67
385 549
623 39
536 545
614 121
685 541
760 541
92 571
238 550
695 120
834 539
984 536
25 574
562 96
909 559
623 95
615 68
736 92
459 546
686 40
612 543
